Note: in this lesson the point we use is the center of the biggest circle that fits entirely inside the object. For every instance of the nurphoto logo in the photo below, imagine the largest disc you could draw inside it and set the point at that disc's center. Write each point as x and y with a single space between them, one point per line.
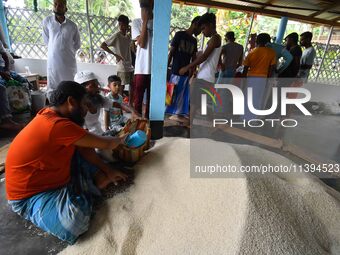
239 105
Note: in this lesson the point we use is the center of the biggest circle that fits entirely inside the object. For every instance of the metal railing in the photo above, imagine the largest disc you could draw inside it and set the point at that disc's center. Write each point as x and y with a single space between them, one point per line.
326 68
25 29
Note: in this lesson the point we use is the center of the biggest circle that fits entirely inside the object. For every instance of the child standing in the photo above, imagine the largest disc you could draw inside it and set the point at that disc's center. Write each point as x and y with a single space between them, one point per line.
114 119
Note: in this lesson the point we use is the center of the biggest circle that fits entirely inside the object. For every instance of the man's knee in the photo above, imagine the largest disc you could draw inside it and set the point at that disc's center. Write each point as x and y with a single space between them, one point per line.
74 220
61 214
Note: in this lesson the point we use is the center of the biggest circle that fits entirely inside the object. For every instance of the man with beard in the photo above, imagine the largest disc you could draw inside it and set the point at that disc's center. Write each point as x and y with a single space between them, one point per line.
295 50
96 102
53 174
61 35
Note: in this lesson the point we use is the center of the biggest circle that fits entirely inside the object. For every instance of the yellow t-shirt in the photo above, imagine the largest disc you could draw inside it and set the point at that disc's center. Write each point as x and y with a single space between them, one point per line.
259 60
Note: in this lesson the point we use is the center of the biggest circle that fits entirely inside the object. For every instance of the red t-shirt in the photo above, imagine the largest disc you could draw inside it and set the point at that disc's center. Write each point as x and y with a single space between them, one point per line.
39 157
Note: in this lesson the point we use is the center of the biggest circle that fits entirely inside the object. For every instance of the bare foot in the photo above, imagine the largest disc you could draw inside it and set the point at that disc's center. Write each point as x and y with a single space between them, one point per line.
173 117
181 119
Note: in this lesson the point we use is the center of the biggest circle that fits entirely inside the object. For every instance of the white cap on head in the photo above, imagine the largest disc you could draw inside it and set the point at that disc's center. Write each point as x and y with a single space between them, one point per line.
84 76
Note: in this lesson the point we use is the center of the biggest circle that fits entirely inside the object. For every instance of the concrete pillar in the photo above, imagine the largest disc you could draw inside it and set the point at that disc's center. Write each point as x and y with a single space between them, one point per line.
281 30
160 43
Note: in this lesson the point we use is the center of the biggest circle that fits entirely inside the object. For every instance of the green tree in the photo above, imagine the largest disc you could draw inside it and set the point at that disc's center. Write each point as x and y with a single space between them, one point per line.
106 8
110 8
238 22
266 24
72 5
181 16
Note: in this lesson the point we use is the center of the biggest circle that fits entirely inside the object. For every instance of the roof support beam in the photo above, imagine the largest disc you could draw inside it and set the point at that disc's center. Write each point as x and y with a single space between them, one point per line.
291 16
331 6
264 5
269 2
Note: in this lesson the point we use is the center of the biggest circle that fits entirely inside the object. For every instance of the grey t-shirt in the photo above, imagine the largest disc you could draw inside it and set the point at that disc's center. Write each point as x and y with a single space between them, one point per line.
232 52
121 44
307 58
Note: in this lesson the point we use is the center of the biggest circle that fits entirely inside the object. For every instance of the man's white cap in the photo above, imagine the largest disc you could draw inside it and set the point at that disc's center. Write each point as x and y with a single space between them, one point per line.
84 76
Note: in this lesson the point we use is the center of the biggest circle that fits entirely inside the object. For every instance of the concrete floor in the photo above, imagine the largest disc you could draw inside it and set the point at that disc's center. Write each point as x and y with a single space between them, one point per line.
19 236
318 134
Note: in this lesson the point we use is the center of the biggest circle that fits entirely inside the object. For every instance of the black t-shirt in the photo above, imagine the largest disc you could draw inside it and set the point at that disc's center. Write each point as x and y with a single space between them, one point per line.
292 70
185 46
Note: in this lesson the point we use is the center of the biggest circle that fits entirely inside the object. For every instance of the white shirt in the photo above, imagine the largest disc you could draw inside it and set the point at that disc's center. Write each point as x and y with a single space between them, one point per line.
121 44
143 56
63 41
307 58
93 121
208 68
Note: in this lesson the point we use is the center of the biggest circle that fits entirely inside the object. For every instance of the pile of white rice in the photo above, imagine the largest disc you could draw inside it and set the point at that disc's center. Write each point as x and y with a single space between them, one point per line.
167 212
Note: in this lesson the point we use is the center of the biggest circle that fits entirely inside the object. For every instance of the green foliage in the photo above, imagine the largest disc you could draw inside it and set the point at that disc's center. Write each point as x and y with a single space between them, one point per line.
213 10
238 22
43 4
106 8
110 8
72 5
265 24
181 16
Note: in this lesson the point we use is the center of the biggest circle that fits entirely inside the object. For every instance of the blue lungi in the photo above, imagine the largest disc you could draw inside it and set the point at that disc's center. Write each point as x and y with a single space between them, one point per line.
180 99
64 212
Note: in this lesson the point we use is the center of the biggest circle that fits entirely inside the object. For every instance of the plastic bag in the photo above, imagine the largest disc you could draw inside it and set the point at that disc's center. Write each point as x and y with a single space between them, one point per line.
170 87
18 97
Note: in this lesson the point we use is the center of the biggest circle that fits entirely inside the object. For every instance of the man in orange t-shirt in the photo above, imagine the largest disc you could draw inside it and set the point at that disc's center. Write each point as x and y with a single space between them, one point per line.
261 61
259 65
53 174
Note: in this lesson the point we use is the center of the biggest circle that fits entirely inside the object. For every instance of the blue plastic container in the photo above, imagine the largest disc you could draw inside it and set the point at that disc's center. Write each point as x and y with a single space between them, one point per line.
136 139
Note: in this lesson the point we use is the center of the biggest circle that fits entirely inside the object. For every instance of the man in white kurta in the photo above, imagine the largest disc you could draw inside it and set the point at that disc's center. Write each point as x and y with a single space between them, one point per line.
61 35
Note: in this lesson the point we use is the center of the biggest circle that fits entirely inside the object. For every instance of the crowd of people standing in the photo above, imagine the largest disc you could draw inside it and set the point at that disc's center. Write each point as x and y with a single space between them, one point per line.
216 63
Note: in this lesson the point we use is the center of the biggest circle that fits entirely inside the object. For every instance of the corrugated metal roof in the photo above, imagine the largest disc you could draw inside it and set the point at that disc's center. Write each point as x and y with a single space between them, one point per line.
313 11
